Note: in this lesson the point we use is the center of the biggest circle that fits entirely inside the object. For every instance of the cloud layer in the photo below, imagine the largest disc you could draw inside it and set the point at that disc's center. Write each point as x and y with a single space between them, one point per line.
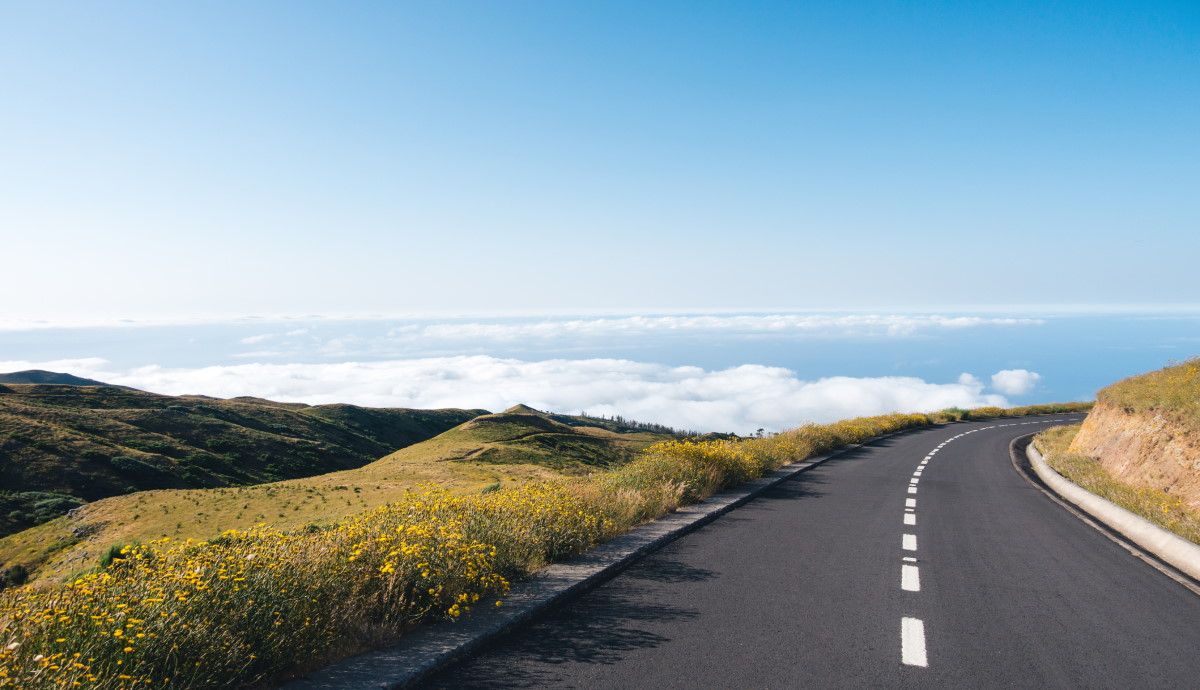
407 339
740 399
551 326
815 324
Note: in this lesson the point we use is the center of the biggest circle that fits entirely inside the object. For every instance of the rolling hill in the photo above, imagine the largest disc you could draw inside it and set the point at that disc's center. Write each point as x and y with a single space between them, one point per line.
63 445
483 453
43 376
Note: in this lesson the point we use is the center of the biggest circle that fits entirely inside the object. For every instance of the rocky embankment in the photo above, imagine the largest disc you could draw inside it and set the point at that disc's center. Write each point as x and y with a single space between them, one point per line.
1143 448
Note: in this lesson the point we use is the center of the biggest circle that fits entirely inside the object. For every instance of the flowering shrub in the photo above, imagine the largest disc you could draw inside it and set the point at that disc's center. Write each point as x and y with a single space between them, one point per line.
247 605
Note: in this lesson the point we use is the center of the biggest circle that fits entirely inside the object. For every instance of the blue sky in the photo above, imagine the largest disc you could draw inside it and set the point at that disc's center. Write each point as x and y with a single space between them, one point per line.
171 159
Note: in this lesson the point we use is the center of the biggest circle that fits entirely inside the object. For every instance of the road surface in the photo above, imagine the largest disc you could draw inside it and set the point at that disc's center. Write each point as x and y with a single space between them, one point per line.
854 574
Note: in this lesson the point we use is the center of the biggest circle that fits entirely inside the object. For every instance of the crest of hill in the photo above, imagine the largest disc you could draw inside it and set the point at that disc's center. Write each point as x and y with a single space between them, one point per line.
42 376
62 445
523 435
1173 392
486 452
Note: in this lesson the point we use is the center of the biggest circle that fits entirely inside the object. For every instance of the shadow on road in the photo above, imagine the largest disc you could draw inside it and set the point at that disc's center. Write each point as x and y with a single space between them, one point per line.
596 629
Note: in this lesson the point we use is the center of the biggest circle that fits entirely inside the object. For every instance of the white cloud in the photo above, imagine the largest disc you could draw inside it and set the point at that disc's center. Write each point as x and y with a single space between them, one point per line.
969 380
259 354
255 339
793 324
740 399
1015 381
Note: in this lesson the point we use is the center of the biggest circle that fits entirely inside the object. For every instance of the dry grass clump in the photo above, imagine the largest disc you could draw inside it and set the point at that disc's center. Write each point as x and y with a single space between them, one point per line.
1156 505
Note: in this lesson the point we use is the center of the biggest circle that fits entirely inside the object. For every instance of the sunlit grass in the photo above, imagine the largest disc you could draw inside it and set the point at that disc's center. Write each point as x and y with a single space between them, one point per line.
1171 391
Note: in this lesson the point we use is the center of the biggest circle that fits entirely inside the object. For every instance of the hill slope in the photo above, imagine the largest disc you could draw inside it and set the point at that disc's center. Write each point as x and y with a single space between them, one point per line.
485 452
62 445
43 376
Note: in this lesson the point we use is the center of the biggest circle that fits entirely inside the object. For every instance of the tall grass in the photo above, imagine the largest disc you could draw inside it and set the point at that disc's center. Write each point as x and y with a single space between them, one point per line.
251 606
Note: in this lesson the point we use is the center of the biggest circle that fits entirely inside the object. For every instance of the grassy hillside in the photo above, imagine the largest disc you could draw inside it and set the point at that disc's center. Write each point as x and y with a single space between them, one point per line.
488 452
42 376
1173 391
61 445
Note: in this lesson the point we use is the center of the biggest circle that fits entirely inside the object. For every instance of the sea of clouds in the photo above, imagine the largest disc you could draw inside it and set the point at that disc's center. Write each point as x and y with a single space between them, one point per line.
386 339
550 326
741 399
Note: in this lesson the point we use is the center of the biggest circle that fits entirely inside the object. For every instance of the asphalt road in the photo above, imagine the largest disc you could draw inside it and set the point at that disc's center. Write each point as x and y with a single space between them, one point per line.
824 581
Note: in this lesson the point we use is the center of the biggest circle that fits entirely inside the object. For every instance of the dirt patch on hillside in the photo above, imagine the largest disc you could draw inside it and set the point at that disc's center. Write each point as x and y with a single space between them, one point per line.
1144 449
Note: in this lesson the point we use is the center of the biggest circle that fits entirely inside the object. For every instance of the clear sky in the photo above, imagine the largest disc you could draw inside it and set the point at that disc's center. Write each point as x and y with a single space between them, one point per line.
233 158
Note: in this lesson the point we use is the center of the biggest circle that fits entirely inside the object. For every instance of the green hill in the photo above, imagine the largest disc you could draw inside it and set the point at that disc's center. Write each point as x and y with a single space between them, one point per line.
483 453
61 445
42 376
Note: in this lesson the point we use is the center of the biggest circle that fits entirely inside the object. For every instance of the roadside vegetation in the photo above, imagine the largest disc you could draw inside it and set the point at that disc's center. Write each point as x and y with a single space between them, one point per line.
252 606
1170 391
1158 506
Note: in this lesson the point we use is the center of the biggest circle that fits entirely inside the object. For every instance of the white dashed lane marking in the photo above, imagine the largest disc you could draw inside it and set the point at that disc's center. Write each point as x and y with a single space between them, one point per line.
912 642
912 630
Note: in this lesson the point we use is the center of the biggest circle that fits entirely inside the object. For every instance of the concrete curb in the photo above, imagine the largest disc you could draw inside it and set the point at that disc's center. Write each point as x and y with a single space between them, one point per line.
430 648
1166 545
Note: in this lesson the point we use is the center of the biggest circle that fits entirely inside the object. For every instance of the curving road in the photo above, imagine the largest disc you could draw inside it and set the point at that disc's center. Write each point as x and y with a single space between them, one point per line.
855 574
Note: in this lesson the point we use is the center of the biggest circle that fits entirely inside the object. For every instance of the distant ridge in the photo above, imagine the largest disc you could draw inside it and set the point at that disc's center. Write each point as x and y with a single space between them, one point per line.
48 377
